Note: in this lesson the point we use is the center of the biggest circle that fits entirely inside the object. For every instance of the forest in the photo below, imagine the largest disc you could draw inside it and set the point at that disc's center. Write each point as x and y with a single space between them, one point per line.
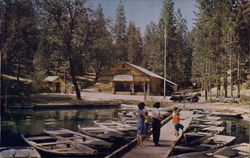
52 37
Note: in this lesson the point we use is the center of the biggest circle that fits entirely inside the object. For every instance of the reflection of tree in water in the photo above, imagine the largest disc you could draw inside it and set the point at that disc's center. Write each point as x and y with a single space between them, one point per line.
33 122
238 128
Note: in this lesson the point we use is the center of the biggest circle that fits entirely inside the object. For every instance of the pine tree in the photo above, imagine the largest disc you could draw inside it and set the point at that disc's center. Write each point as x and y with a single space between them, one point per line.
100 55
120 34
21 42
152 58
135 54
168 22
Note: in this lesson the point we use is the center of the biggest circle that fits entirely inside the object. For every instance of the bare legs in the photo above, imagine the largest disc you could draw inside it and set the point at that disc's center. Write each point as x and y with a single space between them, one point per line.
139 140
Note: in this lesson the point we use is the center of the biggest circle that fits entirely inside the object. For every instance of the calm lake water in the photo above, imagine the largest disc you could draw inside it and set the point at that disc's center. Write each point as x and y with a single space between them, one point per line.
18 122
15 123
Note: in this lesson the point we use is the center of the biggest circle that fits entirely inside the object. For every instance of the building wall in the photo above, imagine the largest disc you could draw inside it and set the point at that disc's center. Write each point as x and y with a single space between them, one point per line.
106 79
105 83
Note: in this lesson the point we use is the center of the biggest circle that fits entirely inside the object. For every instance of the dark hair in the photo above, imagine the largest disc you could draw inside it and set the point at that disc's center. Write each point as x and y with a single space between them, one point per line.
157 105
175 108
141 105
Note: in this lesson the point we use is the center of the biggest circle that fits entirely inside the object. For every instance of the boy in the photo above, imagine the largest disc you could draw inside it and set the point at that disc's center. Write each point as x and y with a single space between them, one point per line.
176 122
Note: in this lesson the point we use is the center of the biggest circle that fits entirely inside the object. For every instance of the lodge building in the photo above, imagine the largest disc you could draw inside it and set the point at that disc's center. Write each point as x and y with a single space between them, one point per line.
126 78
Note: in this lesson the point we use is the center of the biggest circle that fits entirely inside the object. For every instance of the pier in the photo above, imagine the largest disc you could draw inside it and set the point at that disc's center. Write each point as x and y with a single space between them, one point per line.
167 140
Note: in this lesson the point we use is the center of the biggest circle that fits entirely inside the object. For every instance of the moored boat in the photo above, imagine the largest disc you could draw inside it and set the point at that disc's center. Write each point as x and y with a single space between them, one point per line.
226 114
238 150
101 132
203 141
78 138
55 146
116 126
19 152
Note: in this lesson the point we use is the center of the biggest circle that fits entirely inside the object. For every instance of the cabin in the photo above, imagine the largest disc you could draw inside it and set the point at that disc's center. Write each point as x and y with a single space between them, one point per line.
126 78
54 83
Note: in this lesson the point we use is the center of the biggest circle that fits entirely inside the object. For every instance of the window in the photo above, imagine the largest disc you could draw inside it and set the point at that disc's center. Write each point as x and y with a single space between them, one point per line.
122 87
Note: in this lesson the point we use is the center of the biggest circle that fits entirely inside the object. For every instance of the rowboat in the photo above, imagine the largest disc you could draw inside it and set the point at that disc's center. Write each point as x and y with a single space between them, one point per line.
203 141
56 146
78 138
238 150
101 133
226 114
215 129
19 152
116 126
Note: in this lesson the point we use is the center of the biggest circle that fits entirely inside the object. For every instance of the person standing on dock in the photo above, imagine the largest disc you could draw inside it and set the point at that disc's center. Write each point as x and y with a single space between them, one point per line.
141 130
156 123
176 122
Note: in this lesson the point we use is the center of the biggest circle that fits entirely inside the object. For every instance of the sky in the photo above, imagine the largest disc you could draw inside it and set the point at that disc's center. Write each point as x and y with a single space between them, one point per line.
142 12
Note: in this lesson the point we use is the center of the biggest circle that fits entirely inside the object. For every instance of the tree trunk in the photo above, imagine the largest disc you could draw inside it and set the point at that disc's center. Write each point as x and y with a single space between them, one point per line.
231 75
18 71
206 82
72 73
238 77
225 85
97 76
209 81
218 89
205 86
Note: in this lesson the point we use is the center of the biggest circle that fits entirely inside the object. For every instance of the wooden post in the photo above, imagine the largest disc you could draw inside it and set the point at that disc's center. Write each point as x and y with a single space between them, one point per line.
144 91
132 88
113 87
148 89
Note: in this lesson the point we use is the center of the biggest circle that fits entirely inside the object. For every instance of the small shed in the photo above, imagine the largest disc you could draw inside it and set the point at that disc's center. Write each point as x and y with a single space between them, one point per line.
54 83
132 79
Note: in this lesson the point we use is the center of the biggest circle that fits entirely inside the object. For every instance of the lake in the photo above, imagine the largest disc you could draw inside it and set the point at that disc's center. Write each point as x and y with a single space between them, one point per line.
17 122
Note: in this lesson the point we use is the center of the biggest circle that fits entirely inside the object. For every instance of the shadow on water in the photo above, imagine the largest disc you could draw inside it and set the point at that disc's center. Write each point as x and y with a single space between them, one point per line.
17 122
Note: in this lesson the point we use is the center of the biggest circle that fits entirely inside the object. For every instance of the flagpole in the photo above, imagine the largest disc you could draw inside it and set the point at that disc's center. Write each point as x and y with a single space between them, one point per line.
165 56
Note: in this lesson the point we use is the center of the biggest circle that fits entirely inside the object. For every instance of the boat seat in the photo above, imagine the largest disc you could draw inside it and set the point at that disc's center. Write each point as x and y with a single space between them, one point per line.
40 138
63 149
51 143
76 137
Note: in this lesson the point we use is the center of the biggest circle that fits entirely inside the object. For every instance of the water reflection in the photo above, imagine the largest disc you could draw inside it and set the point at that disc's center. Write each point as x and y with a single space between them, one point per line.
238 128
16 123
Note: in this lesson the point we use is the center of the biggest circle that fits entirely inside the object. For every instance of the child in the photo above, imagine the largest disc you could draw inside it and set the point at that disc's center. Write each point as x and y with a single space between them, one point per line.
176 122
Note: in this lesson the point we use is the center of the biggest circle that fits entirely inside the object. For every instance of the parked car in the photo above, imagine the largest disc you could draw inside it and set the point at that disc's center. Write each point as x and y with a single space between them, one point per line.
181 96
193 98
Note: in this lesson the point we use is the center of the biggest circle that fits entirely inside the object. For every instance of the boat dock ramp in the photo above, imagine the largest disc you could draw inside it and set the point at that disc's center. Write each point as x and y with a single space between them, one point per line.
167 141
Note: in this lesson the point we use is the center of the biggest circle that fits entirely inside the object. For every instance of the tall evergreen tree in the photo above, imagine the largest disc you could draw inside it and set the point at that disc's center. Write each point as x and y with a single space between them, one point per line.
100 54
217 44
120 34
152 58
134 47
168 23
21 41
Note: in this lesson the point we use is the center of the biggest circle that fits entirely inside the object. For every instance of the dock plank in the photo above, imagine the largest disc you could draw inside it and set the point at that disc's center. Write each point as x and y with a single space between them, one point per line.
167 141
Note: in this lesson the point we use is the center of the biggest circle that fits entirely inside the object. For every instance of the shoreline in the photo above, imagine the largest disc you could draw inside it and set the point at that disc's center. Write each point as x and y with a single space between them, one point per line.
107 100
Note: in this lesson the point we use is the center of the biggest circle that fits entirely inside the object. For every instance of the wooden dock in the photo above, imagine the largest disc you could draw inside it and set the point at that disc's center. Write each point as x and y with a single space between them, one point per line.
167 141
